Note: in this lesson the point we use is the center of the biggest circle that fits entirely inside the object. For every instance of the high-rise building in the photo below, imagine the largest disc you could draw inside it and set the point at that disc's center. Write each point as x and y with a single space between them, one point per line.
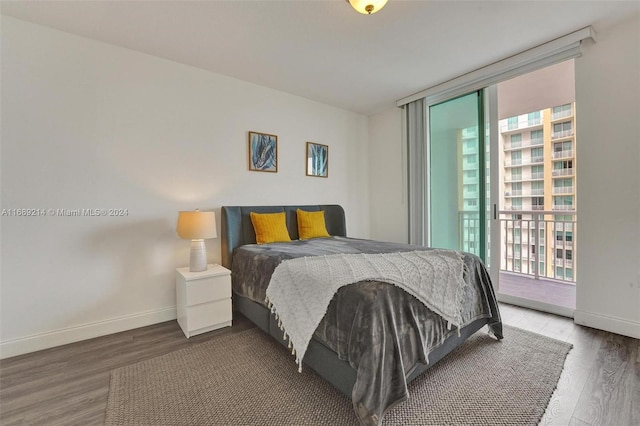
539 187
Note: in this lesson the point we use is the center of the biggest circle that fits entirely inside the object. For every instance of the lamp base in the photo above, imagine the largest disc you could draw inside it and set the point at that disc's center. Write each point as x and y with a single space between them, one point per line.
198 256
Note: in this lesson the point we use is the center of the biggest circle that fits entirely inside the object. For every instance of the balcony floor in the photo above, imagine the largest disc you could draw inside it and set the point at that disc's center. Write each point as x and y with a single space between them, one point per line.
542 290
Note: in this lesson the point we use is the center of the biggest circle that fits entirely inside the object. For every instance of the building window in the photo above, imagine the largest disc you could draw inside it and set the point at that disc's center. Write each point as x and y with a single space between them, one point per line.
512 123
516 204
558 253
564 236
516 141
537 155
562 146
516 173
568 254
537 172
561 111
533 118
537 203
563 183
516 157
565 200
562 127
537 137
559 165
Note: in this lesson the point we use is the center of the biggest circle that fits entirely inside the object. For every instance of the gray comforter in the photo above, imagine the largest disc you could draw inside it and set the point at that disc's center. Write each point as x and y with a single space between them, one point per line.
382 331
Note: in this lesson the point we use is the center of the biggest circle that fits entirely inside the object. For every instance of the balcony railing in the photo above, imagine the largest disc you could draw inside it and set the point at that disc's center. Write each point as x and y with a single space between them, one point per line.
562 134
562 172
537 191
562 207
523 241
561 114
537 175
563 244
563 190
521 124
524 144
563 154
564 263
520 162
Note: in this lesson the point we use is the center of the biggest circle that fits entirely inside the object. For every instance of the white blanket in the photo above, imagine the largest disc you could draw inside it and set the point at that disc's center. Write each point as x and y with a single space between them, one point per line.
301 289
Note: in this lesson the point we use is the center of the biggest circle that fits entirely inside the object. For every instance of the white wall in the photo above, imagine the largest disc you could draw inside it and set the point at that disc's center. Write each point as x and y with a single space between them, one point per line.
387 177
90 125
608 162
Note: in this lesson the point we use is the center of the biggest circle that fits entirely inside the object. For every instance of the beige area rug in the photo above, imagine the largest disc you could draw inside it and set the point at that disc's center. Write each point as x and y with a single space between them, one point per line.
249 379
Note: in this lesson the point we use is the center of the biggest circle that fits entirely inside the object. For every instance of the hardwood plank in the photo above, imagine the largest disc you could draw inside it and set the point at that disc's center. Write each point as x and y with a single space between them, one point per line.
534 321
611 395
600 384
576 422
69 384
559 328
565 398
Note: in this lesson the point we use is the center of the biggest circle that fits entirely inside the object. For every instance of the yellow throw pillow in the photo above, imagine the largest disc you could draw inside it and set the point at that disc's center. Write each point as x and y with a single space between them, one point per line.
311 225
270 227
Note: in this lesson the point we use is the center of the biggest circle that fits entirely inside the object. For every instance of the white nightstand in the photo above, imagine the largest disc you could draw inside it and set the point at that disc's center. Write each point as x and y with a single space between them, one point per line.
204 299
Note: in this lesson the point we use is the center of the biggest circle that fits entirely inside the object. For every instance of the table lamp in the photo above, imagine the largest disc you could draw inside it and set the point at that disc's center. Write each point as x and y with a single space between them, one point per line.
196 226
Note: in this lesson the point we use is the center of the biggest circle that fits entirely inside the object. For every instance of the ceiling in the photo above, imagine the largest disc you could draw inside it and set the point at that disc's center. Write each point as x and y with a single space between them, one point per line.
323 49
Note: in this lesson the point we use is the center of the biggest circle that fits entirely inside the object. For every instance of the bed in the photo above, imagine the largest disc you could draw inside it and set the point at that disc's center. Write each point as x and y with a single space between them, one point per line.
375 337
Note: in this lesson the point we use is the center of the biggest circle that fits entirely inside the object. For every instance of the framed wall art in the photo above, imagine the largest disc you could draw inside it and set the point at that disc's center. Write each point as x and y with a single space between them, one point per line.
263 152
317 160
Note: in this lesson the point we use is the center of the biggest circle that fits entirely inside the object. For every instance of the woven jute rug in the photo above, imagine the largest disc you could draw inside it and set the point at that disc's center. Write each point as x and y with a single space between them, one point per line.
249 379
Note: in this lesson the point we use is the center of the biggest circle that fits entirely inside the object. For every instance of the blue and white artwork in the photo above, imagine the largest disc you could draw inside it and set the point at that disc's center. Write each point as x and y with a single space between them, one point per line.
317 160
263 152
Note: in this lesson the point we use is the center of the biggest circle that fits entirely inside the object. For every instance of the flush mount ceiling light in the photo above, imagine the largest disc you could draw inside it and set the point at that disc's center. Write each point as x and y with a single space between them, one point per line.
367 7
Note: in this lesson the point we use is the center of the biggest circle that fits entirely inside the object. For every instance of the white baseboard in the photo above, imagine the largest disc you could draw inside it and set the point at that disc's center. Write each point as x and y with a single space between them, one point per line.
64 336
612 324
534 304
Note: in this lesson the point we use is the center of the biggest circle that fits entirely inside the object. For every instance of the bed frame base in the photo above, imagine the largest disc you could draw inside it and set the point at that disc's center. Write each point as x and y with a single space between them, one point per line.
325 361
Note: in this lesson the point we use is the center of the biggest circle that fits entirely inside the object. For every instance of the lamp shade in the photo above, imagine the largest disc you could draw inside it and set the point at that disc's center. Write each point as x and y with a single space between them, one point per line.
197 225
367 7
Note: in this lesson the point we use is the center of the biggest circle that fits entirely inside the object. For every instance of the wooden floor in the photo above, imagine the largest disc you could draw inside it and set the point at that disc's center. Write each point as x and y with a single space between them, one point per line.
68 385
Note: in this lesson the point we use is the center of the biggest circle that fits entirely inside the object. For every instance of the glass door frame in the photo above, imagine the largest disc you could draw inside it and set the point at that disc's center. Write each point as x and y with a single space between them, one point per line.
483 213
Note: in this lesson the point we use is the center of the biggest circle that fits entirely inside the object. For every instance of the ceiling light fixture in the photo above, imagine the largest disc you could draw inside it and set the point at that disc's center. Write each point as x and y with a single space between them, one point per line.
367 7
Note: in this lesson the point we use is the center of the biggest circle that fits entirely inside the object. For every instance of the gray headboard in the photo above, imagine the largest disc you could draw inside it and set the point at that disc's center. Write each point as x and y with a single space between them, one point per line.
237 228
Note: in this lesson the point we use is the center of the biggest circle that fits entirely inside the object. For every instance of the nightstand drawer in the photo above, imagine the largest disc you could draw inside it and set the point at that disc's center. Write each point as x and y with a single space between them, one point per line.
209 289
209 313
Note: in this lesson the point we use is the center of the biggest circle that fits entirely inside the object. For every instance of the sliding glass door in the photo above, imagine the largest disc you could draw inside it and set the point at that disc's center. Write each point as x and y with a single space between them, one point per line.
457 184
